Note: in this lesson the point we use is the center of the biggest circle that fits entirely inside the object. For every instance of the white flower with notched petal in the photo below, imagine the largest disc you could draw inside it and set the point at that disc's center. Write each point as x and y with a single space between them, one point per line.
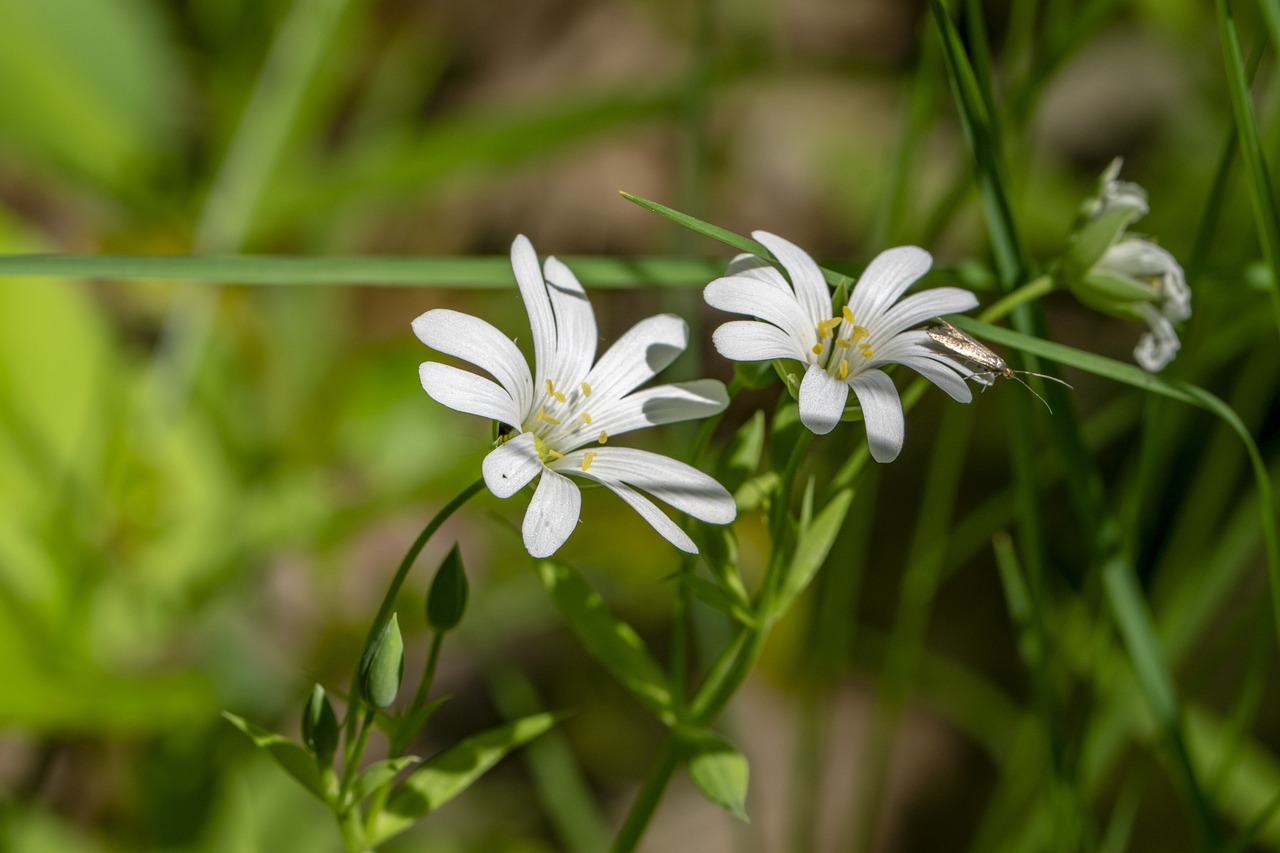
842 350
561 419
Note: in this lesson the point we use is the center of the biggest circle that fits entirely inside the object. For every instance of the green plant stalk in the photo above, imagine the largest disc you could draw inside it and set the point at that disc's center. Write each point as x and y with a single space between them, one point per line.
725 676
352 758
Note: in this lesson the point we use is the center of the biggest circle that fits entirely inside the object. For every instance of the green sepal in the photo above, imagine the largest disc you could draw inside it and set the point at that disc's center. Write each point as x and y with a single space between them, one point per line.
451 772
382 665
320 727
1091 242
447 598
720 772
296 761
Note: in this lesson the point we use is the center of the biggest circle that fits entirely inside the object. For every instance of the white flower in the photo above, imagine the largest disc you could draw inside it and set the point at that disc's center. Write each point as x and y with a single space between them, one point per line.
558 421
1143 261
1129 275
842 350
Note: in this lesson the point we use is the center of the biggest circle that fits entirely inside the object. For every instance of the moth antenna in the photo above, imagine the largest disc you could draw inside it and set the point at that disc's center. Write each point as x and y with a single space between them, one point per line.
1032 390
1046 376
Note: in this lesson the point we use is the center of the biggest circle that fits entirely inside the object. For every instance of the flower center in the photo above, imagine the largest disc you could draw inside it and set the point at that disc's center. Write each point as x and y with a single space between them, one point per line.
558 422
840 340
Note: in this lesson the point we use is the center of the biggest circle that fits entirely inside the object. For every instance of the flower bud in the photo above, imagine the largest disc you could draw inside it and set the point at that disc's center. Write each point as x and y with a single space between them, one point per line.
320 727
382 666
447 598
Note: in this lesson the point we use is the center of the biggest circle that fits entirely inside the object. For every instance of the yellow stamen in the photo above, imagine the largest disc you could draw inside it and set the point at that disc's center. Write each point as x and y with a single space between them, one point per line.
586 419
827 326
543 416
551 389
554 454
604 436
586 389
866 350
844 368
847 314
586 459
817 349
859 332
843 344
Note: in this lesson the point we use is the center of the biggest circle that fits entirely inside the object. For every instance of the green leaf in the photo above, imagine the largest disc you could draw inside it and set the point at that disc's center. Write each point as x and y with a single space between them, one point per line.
612 642
296 761
716 596
379 774
741 456
452 772
720 772
811 551
1266 216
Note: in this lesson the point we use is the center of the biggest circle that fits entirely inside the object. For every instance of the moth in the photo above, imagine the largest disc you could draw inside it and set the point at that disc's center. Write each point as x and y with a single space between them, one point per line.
992 365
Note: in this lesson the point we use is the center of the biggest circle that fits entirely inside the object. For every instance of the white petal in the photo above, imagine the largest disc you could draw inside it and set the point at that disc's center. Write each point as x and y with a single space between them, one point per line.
683 486
658 519
576 333
468 392
1158 346
756 267
822 399
1143 259
552 514
753 340
663 404
886 278
918 307
750 296
509 467
646 348
882 413
533 290
810 285
941 373
477 341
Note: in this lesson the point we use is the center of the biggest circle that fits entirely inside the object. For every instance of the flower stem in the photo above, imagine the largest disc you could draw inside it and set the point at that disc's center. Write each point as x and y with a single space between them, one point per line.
1037 289
646 803
356 741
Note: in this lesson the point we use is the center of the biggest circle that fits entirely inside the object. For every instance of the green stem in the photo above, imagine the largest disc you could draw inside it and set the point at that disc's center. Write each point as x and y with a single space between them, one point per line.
1037 289
646 803
388 602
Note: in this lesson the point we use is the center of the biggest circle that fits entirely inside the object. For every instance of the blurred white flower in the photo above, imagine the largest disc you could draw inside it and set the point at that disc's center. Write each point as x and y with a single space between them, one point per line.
845 349
1126 275
559 421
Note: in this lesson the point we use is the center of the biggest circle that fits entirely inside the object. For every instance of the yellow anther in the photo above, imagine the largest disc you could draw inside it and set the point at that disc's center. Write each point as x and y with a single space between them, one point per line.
827 326
586 459
858 332
866 351
847 314
817 349
586 389
843 344
543 416
551 389
844 368
586 419
604 436
554 454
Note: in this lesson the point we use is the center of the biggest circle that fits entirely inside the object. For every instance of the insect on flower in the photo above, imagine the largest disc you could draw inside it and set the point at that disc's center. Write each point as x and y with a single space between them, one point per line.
970 349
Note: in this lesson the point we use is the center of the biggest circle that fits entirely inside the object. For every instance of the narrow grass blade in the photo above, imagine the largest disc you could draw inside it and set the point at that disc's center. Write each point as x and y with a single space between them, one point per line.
1264 203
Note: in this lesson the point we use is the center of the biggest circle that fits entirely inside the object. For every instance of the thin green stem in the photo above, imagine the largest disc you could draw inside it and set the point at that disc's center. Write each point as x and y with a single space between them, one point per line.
651 791
1037 289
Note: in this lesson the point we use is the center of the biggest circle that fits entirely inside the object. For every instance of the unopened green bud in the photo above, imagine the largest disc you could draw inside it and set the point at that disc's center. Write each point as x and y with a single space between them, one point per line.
447 598
382 666
320 727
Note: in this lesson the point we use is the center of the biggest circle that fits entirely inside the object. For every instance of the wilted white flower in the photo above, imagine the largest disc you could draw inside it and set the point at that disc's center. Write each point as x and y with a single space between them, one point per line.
560 420
1127 275
843 350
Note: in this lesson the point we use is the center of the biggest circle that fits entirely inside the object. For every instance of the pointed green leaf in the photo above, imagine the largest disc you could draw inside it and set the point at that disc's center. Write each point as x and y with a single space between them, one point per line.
716 596
293 758
379 774
812 549
612 642
452 772
720 772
